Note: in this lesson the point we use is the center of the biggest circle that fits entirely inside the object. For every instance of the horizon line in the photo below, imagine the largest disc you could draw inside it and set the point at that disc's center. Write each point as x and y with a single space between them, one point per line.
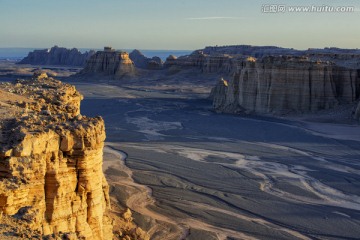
213 18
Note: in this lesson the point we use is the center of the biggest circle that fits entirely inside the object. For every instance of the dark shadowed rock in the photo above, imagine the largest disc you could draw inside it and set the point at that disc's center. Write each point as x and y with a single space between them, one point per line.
170 61
115 64
57 56
357 112
141 61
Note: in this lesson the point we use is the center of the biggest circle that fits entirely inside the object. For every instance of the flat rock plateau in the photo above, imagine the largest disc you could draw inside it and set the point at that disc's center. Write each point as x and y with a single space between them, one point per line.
234 142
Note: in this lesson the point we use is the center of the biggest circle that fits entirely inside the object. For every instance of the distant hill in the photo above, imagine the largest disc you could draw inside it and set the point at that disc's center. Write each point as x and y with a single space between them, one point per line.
57 56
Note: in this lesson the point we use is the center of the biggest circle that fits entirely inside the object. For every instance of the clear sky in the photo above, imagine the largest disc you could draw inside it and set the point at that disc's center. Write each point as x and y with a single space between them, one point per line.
173 24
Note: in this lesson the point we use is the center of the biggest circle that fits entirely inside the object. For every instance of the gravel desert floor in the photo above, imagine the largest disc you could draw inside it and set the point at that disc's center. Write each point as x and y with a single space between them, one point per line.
195 174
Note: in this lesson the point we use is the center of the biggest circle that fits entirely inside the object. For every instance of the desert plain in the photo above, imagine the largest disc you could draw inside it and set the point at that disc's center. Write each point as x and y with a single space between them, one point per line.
187 172
190 173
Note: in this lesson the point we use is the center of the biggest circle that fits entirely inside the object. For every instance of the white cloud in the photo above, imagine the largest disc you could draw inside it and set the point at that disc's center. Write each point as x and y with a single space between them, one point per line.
213 18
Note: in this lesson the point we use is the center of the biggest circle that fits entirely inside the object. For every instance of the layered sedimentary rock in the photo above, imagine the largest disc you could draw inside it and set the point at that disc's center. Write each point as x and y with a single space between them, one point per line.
115 64
51 177
195 59
206 63
57 56
254 51
285 84
262 51
141 61
268 79
220 58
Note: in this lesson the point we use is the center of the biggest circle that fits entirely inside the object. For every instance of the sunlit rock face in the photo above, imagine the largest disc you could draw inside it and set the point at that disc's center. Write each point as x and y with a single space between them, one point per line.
109 62
57 56
286 84
51 178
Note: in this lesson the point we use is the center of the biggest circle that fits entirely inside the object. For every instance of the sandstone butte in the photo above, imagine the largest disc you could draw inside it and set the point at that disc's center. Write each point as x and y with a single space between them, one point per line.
286 84
277 80
110 63
51 181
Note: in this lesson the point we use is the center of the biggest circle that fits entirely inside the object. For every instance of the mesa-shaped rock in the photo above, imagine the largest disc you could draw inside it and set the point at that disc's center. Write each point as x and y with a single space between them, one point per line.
111 63
221 58
57 56
51 177
285 84
215 63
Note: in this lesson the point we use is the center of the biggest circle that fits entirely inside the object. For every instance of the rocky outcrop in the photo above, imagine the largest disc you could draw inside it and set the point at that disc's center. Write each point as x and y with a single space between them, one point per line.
195 59
57 56
266 79
170 61
285 84
254 51
141 61
206 63
220 58
51 178
111 63
357 112
262 51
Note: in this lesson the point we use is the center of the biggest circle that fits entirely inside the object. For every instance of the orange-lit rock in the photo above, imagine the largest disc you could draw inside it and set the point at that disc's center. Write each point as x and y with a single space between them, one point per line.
51 175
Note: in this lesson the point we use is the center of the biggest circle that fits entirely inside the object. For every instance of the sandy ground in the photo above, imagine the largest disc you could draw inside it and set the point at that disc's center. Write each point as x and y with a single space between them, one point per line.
11 70
192 174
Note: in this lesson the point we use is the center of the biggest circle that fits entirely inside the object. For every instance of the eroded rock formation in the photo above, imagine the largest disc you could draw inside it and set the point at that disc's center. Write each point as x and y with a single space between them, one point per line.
57 56
115 64
141 61
286 84
357 112
51 177
215 63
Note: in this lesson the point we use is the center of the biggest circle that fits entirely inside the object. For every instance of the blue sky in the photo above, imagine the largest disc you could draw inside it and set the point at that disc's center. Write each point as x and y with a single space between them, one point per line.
173 24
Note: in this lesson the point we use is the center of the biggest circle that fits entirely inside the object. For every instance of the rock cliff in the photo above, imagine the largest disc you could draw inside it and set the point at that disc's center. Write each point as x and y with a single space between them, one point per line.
215 63
115 64
262 51
254 51
51 181
57 56
220 58
285 84
141 61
